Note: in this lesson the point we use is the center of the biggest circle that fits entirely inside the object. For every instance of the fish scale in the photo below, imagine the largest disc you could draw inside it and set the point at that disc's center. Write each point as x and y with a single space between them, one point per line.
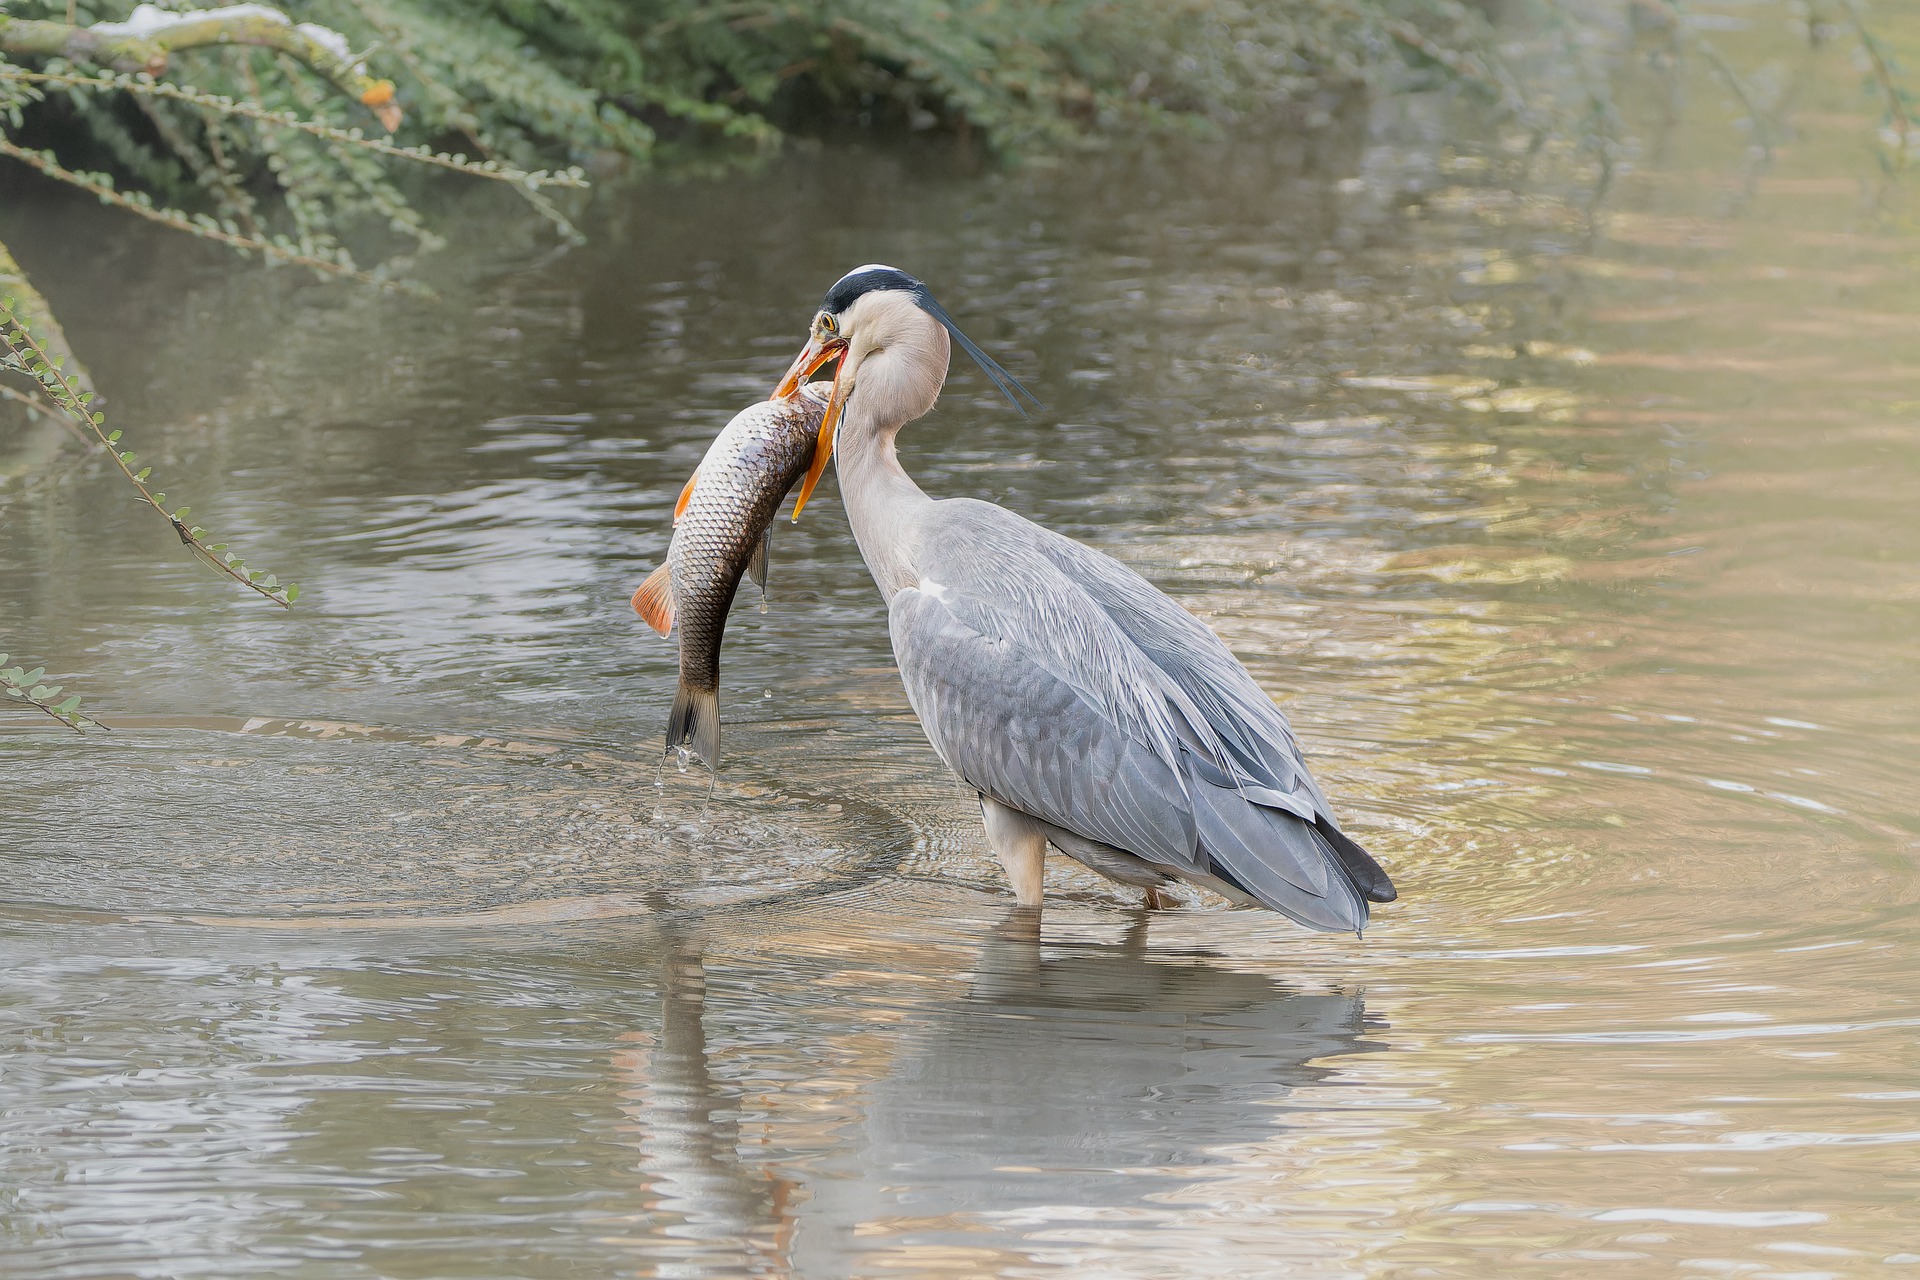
720 534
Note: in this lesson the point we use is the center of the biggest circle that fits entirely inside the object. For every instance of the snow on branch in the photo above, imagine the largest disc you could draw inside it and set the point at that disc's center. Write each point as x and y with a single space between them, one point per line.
146 40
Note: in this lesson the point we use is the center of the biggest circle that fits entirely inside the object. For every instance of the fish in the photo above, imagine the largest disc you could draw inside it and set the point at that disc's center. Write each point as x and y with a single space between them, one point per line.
722 529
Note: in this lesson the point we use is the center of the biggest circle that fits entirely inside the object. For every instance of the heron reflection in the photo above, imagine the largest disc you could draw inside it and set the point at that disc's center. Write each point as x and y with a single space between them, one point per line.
1078 1078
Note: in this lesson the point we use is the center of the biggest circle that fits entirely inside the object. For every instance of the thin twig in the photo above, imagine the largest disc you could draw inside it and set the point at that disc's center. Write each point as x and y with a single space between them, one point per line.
147 86
216 179
1883 76
33 359
1762 122
456 114
206 230
40 404
25 686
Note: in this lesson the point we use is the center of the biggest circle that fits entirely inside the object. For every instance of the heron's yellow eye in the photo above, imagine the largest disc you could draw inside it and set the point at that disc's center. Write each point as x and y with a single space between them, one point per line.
829 325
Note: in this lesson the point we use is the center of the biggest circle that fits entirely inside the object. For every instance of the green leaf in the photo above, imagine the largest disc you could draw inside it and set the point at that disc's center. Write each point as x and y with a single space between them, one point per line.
68 707
292 592
113 437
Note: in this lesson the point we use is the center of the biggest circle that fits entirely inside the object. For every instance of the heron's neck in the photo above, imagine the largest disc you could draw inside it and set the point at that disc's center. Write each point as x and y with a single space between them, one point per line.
884 505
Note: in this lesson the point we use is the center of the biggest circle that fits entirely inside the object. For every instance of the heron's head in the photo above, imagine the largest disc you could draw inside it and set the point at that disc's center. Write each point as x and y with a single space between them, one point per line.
891 339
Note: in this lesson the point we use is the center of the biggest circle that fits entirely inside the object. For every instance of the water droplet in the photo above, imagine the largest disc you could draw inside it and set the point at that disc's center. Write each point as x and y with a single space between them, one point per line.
766 693
763 604
682 758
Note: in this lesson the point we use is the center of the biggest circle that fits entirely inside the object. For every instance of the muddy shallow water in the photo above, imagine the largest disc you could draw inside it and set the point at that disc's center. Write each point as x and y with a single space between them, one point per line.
374 941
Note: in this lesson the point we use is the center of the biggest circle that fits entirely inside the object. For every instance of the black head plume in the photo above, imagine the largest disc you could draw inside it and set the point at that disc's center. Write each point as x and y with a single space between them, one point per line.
874 278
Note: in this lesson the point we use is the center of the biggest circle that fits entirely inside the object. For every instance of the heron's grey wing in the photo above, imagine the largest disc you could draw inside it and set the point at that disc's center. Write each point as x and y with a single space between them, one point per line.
1029 739
1256 746
1243 729
1259 749
1034 695
1199 662
1137 650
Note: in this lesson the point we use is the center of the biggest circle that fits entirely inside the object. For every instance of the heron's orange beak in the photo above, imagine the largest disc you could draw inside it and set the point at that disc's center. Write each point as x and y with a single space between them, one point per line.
811 357
815 354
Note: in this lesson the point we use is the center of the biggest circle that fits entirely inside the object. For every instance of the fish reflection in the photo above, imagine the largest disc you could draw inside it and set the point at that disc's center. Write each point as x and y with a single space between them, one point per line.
707 1213
1073 1079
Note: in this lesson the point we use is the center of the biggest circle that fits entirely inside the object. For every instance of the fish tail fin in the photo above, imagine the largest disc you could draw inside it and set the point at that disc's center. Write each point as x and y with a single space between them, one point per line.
654 600
695 722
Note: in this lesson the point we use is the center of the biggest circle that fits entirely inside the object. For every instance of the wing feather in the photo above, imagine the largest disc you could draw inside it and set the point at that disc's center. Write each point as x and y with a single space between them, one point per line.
1030 740
1245 734
1058 681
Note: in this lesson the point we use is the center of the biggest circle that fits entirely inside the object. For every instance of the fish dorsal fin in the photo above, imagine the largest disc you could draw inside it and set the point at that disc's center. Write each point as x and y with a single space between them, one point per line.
757 567
654 600
686 496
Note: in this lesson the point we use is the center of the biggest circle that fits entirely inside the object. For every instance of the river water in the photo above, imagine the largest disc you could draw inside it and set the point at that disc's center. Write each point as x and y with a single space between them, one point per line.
1582 545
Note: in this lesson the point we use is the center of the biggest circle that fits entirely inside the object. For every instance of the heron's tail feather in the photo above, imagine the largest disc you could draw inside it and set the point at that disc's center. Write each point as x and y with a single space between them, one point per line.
695 722
1367 875
1284 862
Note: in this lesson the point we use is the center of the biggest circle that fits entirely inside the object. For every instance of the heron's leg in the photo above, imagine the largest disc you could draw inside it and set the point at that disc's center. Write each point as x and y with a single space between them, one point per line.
1021 844
1152 901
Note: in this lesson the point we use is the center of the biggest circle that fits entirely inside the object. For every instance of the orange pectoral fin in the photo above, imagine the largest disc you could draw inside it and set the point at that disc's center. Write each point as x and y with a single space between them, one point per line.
654 600
686 496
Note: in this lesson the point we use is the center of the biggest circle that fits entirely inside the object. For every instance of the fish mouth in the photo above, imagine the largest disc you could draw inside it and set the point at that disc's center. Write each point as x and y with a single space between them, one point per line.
816 353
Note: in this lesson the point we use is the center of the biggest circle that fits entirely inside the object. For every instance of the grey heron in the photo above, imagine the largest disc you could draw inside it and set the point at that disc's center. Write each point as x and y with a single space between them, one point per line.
1088 710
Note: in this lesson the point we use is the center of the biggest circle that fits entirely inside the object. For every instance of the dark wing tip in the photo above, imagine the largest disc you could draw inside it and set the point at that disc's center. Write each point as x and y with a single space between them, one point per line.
1368 876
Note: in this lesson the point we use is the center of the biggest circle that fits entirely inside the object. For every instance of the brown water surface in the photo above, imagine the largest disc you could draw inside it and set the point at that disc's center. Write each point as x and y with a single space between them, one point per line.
1584 552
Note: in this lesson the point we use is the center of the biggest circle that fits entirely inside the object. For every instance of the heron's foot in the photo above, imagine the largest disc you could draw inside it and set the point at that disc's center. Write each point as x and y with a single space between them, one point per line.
1153 900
